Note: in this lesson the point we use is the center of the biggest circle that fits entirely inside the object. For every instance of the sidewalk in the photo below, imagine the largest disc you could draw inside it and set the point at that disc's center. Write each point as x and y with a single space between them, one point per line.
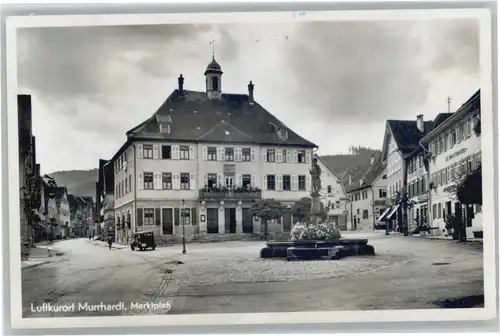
40 255
447 238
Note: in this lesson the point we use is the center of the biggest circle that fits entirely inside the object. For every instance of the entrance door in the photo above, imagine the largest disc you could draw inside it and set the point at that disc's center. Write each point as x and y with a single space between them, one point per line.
230 220
247 220
212 220
229 181
167 221
287 222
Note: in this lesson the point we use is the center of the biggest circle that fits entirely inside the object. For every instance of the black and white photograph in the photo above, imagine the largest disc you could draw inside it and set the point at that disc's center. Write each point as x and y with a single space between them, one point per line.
210 168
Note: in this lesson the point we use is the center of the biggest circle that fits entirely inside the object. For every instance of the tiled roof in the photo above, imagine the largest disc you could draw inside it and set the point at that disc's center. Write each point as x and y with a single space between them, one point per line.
72 202
59 194
407 135
363 176
230 119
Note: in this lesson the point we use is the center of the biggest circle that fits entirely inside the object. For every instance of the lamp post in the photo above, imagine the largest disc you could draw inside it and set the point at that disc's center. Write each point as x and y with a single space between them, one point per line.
183 228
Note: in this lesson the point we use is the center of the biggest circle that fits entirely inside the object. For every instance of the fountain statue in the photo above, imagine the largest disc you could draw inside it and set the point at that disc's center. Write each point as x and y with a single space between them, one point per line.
315 217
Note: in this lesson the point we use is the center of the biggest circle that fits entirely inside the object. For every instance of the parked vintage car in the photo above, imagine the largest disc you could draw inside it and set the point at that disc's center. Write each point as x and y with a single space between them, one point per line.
143 240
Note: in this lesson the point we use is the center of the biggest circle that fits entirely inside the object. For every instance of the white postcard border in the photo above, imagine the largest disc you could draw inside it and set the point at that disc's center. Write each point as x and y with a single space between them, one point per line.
13 23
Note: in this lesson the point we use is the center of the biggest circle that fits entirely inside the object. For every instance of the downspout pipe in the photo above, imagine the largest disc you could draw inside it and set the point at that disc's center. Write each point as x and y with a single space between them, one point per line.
430 218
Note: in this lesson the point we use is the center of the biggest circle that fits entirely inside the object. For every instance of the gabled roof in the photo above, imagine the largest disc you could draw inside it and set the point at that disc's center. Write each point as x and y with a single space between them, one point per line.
366 174
72 202
59 193
196 117
406 133
328 167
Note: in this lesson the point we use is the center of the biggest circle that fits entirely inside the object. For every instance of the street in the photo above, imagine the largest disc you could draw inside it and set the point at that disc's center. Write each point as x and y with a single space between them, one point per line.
229 277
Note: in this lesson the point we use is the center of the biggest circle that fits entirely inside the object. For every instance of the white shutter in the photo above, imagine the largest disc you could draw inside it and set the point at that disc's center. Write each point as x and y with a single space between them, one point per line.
295 158
219 179
192 182
177 180
308 156
279 155
240 180
279 182
191 153
140 181
238 154
308 182
288 155
205 153
295 183
139 151
264 182
220 155
155 181
155 151
253 180
252 154
205 180
175 152
264 155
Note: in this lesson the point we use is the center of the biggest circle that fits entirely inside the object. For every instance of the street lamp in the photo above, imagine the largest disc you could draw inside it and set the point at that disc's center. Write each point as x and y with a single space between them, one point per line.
183 227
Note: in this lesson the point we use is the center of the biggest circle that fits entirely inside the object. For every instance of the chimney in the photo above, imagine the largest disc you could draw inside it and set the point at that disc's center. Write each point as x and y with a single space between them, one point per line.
180 80
250 93
350 179
372 160
420 123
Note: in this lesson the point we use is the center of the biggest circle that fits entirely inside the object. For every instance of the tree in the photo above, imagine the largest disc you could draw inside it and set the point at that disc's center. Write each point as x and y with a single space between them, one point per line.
267 209
301 210
470 190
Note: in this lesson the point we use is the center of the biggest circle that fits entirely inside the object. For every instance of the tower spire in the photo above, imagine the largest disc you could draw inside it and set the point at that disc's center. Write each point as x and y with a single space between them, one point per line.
213 49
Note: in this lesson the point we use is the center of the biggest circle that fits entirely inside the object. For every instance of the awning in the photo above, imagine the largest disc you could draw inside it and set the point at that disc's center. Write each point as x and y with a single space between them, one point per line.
381 218
393 212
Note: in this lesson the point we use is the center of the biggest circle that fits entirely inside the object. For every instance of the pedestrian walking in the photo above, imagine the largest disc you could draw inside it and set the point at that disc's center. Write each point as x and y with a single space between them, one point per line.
110 242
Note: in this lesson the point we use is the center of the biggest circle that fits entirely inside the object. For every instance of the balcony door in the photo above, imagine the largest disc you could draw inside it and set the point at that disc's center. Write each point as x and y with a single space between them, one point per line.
229 181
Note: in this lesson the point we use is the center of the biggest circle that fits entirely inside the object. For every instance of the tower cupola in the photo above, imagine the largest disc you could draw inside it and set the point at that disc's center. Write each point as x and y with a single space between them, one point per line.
213 75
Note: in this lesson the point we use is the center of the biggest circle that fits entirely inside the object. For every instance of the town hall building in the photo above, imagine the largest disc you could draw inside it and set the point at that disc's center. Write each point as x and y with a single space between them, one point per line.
201 160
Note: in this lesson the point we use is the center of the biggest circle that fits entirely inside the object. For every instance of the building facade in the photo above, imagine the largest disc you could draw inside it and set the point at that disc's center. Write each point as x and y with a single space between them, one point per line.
332 195
417 185
454 150
196 166
64 215
367 193
401 139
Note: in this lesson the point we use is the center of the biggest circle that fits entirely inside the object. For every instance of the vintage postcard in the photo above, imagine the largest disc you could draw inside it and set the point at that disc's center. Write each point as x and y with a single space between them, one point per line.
243 168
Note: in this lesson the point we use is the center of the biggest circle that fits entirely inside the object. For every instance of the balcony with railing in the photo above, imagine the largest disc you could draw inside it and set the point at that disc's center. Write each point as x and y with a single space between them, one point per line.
235 193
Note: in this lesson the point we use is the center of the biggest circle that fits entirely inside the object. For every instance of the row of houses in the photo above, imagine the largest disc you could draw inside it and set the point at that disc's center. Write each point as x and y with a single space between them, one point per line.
200 161
425 161
47 211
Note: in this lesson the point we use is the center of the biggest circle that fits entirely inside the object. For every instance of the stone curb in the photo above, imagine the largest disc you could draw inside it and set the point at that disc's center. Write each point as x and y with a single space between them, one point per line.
35 265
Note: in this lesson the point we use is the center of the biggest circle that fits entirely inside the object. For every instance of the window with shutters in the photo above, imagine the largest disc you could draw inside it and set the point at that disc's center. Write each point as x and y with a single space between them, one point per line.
246 180
270 155
211 180
271 182
149 216
246 155
212 153
148 181
382 193
166 152
301 156
184 152
365 214
130 182
302 182
166 181
186 216
287 182
185 181
126 185
147 151
229 154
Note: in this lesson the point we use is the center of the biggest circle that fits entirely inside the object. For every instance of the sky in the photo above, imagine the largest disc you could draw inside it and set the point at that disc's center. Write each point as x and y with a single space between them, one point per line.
334 83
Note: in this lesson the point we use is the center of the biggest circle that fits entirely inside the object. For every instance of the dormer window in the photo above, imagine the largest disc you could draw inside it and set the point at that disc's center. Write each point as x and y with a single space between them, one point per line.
283 133
165 128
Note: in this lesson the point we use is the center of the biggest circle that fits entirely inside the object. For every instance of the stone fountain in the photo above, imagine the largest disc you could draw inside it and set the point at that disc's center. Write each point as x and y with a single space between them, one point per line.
328 244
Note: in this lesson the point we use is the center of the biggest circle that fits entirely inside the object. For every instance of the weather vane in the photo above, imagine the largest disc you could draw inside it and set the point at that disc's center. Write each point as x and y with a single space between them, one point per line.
213 48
